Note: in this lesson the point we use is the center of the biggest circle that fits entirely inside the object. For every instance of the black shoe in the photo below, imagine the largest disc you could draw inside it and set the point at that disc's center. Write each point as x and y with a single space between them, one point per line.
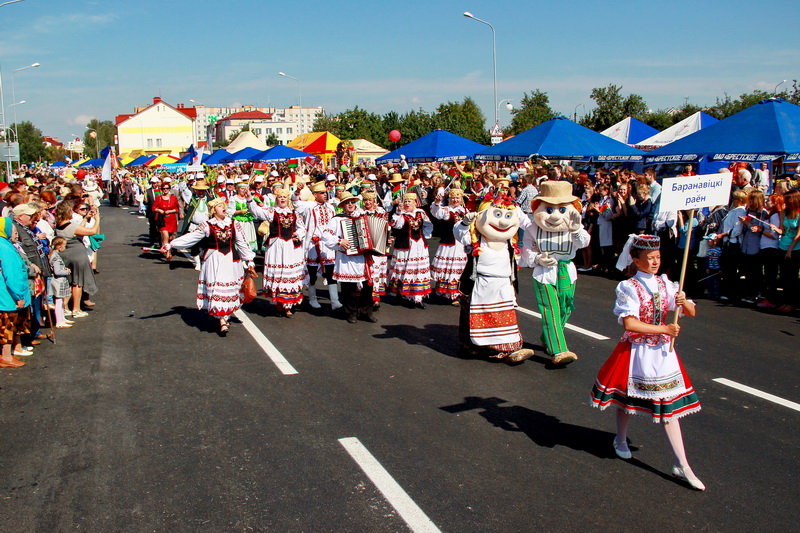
376 307
352 318
369 317
420 305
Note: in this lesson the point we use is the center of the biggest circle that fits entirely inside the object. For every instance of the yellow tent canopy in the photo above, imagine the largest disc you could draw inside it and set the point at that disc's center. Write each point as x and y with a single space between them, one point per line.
162 160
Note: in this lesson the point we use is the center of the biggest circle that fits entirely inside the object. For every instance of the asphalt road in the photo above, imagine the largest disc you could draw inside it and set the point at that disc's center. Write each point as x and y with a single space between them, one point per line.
141 418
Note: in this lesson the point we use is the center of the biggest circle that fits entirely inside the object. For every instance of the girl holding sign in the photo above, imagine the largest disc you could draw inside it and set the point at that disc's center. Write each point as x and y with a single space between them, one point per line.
643 375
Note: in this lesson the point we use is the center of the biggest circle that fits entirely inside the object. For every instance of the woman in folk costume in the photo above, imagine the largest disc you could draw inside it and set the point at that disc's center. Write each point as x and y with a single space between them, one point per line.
380 263
284 260
643 374
237 207
219 289
488 324
450 259
549 248
410 268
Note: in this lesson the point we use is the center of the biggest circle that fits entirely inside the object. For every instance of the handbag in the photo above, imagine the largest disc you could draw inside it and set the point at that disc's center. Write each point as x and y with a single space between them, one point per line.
249 288
263 228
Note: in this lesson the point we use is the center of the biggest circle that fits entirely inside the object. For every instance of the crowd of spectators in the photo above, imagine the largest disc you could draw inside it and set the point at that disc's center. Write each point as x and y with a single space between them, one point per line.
49 237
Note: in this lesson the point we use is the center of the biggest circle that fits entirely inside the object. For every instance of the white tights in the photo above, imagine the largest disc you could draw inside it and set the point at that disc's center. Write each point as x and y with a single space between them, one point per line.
672 430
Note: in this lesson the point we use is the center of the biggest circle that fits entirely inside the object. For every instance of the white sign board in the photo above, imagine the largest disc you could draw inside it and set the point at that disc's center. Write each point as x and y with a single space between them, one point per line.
694 192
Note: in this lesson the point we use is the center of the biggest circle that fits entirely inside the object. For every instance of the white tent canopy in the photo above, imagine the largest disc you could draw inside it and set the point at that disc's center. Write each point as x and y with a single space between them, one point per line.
685 127
245 139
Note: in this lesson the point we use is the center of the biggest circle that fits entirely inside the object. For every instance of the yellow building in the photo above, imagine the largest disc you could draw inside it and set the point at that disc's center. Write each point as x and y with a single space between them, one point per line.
157 129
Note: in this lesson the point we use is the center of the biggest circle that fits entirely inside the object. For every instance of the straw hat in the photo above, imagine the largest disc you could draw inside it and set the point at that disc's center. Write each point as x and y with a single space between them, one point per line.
346 197
319 187
556 192
200 185
396 178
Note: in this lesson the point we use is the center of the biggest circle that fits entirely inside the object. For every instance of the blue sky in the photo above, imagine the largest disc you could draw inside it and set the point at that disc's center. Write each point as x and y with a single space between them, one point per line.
102 58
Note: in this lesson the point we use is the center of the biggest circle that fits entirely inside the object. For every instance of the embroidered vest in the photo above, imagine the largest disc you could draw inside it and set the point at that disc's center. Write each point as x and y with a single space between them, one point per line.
412 229
222 239
652 310
282 226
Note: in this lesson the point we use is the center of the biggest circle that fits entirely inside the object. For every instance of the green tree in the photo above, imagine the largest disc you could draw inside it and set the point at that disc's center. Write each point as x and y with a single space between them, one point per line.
271 140
728 106
105 130
659 120
462 118
54 153
533 110
413 125
31 143
358 123
326 123
613 107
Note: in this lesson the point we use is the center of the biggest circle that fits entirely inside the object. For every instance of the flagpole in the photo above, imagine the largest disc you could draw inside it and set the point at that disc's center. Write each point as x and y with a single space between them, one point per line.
683 273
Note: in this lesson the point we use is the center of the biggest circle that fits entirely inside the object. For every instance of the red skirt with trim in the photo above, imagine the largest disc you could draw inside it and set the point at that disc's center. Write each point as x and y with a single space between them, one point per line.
611 387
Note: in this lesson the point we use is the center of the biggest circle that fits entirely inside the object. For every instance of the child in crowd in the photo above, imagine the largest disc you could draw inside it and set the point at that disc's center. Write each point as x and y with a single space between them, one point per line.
59 283
712 265
644 375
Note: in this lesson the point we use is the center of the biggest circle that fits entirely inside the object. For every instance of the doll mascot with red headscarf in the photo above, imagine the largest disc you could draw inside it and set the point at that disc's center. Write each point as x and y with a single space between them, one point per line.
488 324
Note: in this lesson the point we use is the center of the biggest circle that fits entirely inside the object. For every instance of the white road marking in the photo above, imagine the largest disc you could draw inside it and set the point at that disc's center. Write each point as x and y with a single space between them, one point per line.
269 348
578 329
760 394
409 511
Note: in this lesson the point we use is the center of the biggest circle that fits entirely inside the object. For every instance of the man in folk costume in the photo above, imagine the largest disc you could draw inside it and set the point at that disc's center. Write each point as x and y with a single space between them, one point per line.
450 259
320 259
488 324
352 272
549 247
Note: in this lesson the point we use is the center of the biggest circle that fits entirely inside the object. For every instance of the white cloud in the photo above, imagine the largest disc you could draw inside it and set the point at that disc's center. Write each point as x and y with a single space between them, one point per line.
72 21
81 120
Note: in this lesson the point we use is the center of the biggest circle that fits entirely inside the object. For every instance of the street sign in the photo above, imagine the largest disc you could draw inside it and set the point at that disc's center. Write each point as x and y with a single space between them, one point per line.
496 134
9 152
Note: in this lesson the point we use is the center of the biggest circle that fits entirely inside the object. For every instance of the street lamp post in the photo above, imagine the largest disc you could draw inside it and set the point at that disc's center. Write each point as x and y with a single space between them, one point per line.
575 114
299 99
13 96
494 58
3 103
776 87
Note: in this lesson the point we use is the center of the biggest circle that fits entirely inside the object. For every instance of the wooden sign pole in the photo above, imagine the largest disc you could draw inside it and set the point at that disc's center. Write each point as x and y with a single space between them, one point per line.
683 271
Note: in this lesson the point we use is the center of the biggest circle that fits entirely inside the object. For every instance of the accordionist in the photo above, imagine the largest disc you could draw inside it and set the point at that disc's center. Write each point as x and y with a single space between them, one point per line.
352 272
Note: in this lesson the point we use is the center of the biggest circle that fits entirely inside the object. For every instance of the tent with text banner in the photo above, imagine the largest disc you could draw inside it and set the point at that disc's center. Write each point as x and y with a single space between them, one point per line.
242 156
684 128
438 145
765 131
560 138
214 159
629 131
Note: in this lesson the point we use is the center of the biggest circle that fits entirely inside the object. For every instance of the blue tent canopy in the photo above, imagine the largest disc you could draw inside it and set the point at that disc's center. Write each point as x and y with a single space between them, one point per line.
97 162
438 145
279 154
762 132
139 161
214 159
245 154
58 164
185 159
560 138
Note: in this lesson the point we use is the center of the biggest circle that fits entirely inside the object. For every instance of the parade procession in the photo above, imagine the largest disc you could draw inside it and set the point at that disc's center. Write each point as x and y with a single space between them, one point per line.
366 316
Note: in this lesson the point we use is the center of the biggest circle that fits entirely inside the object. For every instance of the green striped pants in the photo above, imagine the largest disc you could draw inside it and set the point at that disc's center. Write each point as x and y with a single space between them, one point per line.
555 304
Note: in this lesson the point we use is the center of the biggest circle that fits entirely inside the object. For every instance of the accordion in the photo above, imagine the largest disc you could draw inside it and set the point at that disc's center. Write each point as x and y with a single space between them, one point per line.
367 235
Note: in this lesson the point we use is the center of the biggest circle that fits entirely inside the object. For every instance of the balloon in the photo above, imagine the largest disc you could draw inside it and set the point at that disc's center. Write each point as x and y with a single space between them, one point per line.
351 147
394 136
80 174
92 134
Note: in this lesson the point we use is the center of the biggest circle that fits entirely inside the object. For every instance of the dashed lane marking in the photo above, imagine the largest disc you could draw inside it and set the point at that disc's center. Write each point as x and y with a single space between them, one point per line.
760 394
577 329
283 365
409 511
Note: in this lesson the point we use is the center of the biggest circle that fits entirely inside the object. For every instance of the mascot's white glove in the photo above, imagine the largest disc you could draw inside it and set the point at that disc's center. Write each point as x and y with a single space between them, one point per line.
546 260
469 218
574 222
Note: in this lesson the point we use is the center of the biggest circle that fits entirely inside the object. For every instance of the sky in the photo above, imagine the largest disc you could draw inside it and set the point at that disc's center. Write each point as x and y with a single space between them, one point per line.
100 59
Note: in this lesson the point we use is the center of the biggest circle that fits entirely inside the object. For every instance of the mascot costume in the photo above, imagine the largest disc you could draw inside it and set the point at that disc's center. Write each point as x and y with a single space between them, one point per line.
488 324
549 247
